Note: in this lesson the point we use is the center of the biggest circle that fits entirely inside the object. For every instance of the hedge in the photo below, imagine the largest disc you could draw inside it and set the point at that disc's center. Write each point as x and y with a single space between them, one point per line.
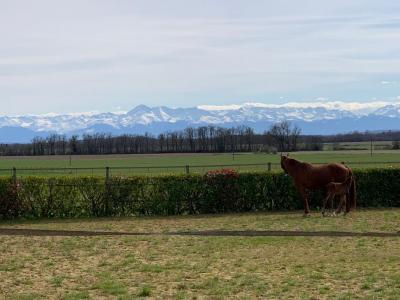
43 197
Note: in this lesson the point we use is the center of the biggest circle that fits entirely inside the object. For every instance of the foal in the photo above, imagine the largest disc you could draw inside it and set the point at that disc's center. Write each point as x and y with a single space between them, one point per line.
337 189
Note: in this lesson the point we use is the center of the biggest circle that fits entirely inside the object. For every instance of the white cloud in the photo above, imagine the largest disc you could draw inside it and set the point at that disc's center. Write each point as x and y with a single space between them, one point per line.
96 55
384 82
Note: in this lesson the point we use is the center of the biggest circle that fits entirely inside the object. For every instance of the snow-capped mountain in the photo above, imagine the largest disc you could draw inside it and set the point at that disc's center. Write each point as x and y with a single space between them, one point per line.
313 118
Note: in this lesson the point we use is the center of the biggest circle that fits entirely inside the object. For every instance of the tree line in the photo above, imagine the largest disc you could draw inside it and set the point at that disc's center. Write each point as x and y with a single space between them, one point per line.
280 137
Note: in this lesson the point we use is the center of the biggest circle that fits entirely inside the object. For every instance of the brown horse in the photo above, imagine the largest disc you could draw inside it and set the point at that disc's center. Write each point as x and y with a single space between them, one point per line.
341 189
308 177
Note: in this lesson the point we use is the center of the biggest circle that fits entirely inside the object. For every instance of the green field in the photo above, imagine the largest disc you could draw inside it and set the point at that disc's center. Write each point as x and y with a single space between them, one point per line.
376 146
190 267
175 163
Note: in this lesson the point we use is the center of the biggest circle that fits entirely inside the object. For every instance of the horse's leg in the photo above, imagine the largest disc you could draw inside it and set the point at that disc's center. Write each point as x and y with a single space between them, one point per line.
331 200
331 209
327 198
323 205
304 195
330 196
341 203
344 204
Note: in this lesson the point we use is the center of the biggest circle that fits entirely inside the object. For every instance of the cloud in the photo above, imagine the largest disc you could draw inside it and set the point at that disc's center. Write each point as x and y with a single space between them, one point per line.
96 55
384 82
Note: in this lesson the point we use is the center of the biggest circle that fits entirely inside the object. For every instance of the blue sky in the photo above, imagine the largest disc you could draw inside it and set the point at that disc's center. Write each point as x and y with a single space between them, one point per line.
73 56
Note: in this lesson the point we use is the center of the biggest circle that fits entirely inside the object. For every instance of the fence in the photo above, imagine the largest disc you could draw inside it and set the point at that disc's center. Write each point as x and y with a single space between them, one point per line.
134 170
169 169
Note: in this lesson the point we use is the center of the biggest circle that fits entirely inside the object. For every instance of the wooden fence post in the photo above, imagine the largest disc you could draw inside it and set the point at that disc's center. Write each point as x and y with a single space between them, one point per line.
269 167
14 175
107 191
51 195
107 174
187 169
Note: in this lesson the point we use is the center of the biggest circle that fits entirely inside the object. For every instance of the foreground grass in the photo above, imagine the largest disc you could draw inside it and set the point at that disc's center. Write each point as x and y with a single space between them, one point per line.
361 220
211 267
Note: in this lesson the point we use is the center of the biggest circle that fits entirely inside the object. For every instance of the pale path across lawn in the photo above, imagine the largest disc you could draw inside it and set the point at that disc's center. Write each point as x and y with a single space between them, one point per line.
371 220
242 233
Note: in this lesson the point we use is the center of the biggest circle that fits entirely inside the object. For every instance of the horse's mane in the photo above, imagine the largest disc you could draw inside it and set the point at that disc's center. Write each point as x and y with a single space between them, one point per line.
348 179
297 163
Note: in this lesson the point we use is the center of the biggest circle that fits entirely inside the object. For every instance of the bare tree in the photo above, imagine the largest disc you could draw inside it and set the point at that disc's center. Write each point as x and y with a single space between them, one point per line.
284 136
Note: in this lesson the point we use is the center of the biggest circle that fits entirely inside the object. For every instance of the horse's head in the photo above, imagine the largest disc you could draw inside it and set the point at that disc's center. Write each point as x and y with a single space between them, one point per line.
284 160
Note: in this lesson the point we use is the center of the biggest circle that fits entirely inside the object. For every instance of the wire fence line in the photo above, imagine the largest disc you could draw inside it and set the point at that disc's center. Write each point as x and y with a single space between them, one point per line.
168 169
130 170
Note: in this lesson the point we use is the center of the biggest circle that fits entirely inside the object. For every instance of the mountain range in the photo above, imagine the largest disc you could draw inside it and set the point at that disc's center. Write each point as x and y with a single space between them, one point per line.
313 118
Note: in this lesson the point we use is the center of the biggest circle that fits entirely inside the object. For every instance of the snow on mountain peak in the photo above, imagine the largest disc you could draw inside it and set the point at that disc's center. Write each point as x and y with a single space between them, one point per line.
143 118
392 111
139 109
359 108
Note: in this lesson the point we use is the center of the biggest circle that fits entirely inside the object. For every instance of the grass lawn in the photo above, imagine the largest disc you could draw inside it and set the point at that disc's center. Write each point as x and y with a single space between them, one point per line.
354 158
181 267
376 145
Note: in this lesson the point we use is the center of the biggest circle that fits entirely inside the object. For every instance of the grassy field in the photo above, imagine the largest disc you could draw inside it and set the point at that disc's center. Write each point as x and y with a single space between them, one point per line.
156 164
182 267
381 145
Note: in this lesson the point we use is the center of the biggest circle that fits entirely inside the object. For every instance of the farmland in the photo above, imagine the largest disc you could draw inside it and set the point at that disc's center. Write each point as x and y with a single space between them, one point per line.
154 263
181 267
175 163
376 145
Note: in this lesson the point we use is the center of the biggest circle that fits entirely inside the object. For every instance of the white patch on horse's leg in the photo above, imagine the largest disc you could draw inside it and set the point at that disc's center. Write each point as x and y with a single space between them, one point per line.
328 200
341 203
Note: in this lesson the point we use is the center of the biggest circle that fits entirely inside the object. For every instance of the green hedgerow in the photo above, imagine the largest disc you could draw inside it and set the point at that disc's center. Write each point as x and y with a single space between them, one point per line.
217 191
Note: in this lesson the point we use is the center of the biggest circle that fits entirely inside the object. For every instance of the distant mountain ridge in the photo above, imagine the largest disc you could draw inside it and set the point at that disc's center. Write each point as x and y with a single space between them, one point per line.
312 118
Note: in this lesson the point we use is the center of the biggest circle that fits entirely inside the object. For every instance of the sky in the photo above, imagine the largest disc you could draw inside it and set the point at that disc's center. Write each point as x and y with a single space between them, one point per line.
83 55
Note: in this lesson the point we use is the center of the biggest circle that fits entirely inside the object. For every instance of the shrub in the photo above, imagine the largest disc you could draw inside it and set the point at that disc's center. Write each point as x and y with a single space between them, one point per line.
214 192
220 192
9 204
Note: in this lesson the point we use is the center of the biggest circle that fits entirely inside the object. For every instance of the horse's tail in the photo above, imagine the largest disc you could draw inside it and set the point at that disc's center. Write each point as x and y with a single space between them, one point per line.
351 200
